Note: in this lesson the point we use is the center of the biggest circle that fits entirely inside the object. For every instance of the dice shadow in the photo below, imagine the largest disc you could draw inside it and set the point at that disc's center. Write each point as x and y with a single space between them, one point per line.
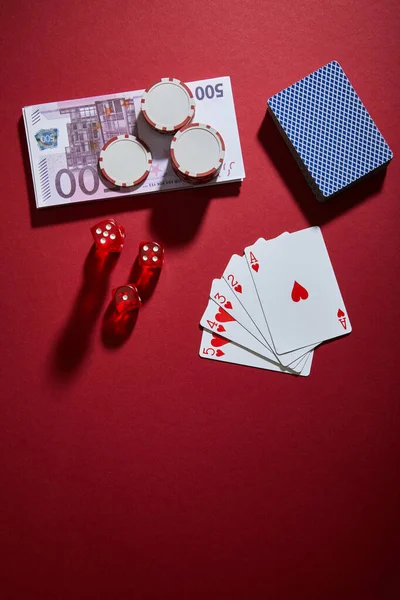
74 340
316 213
145 280
116 327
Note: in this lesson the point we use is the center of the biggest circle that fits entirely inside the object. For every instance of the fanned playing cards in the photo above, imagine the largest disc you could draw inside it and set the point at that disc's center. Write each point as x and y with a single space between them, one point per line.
274 304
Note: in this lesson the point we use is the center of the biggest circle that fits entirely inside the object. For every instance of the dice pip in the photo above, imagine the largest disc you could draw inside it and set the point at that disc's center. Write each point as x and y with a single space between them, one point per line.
151 255
126 298
108 236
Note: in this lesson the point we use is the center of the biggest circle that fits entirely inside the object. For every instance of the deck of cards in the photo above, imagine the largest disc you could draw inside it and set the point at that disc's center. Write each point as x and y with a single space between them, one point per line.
329 131
274 304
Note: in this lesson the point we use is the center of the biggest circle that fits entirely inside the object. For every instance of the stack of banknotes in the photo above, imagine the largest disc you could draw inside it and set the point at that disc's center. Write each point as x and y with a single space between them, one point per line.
65 139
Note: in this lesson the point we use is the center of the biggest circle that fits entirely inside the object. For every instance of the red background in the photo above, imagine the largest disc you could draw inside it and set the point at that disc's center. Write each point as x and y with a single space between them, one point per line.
143 472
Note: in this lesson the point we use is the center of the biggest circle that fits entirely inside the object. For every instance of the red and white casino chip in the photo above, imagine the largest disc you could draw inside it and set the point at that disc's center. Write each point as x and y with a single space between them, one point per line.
193 180
197 153
168 105
125 160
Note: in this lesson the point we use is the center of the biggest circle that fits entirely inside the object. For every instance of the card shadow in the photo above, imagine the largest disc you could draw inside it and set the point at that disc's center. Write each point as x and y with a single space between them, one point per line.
175 217
74 340
316 213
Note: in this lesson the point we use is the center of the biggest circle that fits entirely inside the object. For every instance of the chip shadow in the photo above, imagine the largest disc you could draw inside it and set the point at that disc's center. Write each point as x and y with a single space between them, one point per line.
175 215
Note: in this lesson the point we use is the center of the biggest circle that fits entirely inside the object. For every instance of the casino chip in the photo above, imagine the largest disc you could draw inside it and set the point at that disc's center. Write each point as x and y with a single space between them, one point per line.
168 105
125 160
197 153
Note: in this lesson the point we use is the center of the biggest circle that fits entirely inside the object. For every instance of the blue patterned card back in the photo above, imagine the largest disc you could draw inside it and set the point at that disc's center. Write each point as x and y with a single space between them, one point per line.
330 129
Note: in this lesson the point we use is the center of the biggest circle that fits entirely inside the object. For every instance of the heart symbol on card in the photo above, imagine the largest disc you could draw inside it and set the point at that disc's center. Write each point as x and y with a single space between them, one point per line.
342 318
221 328
299 292
228 305
218 341
222 316
255 267
219 353
238 288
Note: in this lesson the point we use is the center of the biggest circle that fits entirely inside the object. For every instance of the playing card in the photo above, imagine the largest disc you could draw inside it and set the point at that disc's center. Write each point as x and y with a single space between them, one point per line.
299 364
222 293
214 347
218 320
305 367
238 276
298 291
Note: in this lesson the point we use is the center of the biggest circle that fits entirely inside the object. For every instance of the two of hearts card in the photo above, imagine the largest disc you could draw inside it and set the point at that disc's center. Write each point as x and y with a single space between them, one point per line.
274 304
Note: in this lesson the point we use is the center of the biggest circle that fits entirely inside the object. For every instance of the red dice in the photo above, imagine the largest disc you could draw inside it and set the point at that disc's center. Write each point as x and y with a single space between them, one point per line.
126 298
108 236
151 255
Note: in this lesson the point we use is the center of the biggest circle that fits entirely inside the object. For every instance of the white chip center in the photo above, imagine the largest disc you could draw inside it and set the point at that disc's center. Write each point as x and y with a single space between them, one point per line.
168 104
125 160
197 150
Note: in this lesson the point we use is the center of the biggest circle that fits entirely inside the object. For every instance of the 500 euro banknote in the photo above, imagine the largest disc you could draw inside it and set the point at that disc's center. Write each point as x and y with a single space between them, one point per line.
65 139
